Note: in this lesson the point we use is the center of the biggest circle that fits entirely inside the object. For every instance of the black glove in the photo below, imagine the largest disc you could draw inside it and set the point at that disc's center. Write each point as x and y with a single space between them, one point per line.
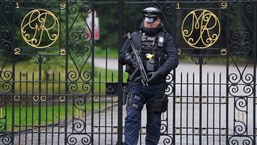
128 58
153 76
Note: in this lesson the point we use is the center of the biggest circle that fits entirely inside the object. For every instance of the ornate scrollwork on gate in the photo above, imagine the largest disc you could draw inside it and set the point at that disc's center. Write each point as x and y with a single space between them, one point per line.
40 28
200 28
240 140
84 139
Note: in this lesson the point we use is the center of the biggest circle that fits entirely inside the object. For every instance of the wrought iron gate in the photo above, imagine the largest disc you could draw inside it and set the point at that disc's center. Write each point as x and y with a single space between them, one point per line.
54 90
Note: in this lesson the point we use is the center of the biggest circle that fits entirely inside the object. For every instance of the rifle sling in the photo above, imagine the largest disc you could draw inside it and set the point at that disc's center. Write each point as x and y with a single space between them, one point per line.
133 74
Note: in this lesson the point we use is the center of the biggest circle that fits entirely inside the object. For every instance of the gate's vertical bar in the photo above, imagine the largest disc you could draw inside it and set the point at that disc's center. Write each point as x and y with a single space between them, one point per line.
66 72
13 79
213 107
254 72
227 75
220 112
200 97
93 71
120 76
39 101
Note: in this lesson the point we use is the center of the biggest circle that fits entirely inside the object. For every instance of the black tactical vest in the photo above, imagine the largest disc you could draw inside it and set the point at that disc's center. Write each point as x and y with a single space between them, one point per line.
152 51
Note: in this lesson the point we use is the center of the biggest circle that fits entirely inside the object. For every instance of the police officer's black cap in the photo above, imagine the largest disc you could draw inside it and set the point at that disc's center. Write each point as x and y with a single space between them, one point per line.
151 14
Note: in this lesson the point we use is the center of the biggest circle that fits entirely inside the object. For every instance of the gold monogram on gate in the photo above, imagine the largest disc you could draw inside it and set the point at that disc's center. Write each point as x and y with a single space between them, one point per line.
200 28
40 28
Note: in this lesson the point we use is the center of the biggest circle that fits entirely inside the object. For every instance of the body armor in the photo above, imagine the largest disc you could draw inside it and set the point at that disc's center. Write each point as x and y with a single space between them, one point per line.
152 51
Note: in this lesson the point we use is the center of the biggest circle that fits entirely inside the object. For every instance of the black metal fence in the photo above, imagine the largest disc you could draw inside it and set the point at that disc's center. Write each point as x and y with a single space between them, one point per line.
54 88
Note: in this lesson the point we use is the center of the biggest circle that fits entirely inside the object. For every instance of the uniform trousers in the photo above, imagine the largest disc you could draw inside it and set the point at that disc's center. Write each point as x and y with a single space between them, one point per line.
140 96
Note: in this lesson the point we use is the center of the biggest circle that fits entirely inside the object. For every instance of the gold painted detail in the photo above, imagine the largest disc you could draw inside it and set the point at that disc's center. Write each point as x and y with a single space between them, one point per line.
17 5
196 131
223 99
204 131
179 52
36 98
40 28
96 98
16 129
17 98
178 6
200 28
177 130
224 5
197 99
61 128
62 98
62 6
35 129
96 129
43 98
115 98
223 51
178 99
223 131
114 129
62 52
17 51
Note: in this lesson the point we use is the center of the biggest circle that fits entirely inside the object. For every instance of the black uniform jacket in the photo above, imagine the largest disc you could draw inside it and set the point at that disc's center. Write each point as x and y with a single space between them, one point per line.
169 48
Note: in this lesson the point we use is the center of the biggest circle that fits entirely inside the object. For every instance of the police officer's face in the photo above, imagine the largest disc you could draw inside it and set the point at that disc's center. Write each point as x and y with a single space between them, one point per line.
153 24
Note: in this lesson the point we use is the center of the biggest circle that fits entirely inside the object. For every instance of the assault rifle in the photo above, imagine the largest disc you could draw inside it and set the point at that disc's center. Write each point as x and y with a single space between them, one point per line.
143 76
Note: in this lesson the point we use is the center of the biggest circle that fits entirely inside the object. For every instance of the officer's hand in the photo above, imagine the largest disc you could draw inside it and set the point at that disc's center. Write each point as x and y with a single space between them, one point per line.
128 58
153 76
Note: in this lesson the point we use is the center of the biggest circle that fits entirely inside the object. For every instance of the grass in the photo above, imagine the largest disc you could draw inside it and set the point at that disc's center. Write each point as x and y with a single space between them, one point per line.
24 117
110 53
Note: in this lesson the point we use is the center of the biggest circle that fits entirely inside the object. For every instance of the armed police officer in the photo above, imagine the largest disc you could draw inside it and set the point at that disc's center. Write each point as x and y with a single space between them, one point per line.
146 86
